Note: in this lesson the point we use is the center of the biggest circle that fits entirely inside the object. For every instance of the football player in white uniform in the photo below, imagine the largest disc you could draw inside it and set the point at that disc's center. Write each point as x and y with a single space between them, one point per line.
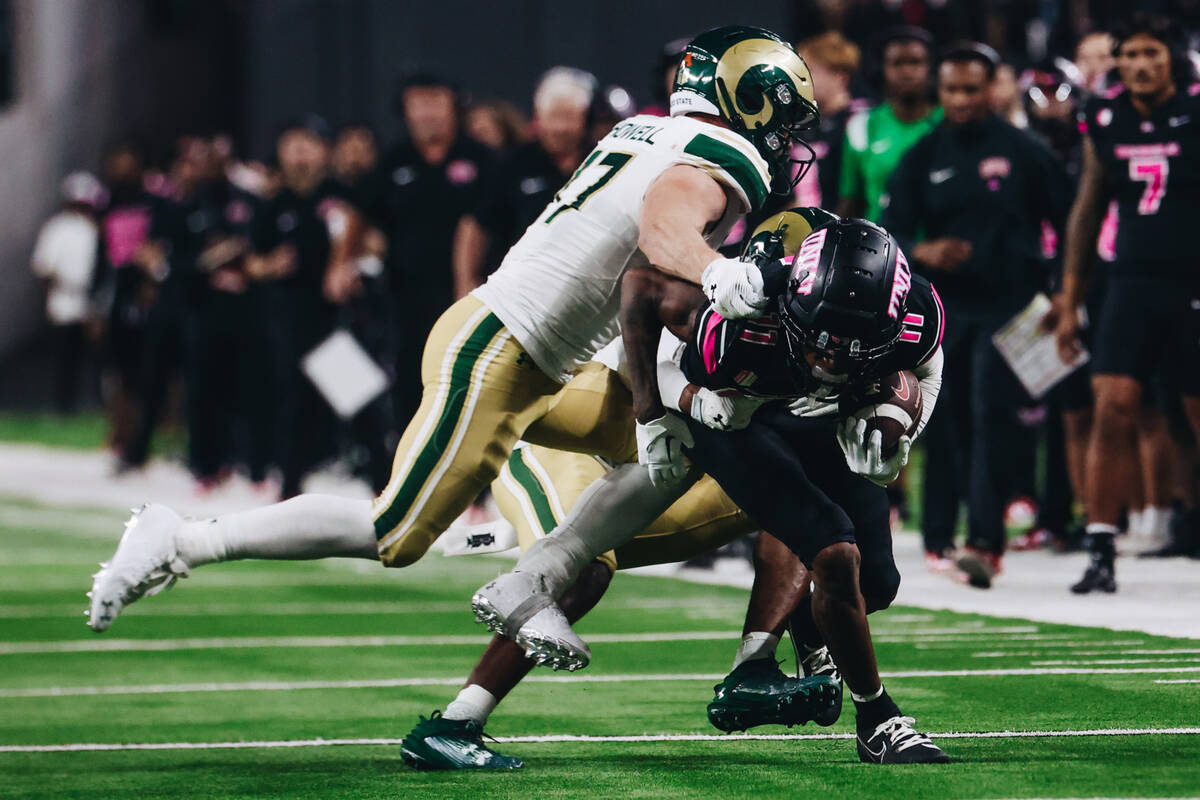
658 192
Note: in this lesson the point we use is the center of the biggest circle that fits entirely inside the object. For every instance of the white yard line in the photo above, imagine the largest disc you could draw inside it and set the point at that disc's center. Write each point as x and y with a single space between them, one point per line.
1097 662
1123 651
239 642
389 683
1181 680
560 738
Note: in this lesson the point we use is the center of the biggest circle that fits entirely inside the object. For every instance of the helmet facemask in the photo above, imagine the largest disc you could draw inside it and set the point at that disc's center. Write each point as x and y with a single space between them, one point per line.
853 361
779 138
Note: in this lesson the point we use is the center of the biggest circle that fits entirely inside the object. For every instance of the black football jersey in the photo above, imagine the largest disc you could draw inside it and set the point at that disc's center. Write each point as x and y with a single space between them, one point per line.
1152 172
751 356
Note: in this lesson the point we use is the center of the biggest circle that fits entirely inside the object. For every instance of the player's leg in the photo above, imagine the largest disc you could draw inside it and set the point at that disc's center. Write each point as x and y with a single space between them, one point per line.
454 739
532 491
1123 360
1156 456
756 691
521 603
479 394
785 452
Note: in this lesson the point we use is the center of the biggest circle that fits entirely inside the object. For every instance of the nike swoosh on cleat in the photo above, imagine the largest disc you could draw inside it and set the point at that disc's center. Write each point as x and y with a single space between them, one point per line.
865 746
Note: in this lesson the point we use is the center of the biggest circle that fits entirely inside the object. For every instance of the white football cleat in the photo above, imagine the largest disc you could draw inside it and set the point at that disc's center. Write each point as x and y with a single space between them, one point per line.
146 562
517 605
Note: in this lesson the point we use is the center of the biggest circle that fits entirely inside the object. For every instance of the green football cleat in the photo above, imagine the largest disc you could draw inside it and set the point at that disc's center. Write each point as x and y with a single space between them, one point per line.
758 693
440 743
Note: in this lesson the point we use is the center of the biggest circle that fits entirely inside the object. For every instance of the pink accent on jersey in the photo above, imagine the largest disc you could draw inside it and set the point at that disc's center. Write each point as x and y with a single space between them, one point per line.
910 336
709 350
124 231
1049 240
1106 243
805 265
1167 149
901 283
758 337
995 167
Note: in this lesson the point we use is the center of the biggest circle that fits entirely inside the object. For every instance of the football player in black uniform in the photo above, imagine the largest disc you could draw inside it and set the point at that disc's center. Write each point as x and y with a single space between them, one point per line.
847 311
1142 150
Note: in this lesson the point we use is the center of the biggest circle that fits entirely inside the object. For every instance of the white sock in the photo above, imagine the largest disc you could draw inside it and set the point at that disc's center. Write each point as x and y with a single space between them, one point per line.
866 698
755 644
1102 527
1137 522
308 526
1156 522
474 703
609 513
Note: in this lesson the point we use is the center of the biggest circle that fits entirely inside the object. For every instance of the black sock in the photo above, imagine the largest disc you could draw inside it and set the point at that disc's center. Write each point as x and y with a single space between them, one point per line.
803 630
872 713
1102 549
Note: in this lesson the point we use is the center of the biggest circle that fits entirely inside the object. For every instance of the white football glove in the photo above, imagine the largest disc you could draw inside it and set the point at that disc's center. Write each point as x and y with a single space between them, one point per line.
660 449
723 412
735 288
865 456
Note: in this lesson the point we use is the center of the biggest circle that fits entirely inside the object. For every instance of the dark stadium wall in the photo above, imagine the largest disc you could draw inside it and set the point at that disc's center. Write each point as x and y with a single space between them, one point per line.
84 75
342 59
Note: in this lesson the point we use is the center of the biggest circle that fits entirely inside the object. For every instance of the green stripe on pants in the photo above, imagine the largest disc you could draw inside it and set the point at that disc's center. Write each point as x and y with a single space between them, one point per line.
435 446
533 490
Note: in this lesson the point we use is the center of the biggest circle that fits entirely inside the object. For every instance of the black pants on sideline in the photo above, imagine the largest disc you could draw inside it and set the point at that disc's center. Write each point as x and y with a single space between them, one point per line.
974 438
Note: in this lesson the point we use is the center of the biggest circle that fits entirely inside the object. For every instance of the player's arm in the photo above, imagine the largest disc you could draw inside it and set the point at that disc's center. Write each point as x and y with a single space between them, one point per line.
651 301
1083 228
929 376
679 207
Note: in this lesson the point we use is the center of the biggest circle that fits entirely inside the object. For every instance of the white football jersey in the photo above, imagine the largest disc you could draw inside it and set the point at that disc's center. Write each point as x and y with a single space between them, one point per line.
558 288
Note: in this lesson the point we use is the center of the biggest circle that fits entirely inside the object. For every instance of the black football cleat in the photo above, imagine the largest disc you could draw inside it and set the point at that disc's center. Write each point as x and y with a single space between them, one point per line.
1096 578
896 742
758 693
438 743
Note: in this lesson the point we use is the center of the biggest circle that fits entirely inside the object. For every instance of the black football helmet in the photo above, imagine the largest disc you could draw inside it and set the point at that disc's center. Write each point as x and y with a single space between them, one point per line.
845 301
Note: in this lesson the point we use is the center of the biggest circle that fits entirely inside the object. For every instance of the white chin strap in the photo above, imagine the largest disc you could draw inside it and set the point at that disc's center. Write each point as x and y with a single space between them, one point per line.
685 101
828 377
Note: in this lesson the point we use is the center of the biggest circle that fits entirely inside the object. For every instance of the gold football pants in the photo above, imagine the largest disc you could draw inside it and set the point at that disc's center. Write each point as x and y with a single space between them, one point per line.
537 488
482 394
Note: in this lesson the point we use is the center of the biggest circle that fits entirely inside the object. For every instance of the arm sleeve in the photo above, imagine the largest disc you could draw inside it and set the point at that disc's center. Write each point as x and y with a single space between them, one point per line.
671 380
929 376
706 357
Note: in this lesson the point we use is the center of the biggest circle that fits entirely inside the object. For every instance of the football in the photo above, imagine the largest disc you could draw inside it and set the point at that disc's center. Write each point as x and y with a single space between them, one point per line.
891 404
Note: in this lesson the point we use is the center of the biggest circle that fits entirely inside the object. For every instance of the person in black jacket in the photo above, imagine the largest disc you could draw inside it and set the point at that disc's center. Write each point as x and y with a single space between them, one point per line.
977 191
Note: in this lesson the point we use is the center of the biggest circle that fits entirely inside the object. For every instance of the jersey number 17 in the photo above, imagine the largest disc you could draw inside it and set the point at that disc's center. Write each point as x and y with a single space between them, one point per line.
588 179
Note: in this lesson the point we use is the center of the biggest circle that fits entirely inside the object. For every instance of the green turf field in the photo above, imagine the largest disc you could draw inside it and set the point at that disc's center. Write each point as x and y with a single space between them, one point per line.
290 653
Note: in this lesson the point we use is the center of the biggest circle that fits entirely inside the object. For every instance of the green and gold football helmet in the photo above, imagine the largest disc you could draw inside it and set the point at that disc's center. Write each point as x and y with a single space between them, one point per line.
755 82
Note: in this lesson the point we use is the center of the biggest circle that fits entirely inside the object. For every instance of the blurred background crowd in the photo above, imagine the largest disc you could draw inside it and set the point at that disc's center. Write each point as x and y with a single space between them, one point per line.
193 260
